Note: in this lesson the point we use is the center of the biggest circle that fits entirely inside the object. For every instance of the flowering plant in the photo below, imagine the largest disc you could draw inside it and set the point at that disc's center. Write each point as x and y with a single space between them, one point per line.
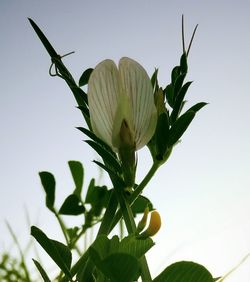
124 110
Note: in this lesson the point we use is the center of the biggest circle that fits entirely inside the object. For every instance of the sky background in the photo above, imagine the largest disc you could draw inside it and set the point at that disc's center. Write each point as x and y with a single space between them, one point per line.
203 192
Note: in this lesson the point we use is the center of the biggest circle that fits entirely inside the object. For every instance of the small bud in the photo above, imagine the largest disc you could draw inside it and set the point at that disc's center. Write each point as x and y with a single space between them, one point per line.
154 226
142 223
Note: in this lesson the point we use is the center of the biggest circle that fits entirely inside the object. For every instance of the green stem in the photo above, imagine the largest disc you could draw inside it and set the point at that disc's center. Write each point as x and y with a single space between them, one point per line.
63 227
136 193
131 227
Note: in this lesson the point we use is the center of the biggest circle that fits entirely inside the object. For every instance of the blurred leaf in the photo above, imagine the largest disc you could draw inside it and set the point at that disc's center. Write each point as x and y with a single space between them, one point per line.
178 102
179 127
154 80
89 198
169 93
85 77
77 172
72 206
72 232
140 204
183 64
161 135
197 107
60 253
108 158
49 185
184 271
174 74
42 271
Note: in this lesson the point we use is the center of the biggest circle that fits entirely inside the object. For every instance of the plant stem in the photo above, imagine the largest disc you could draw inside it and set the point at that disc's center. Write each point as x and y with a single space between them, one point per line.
137 192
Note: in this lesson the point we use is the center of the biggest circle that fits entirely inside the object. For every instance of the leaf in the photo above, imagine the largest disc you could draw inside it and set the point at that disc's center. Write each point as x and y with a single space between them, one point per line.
161 135
120 267
49 185
42 271
60 253
85 77
197 107
179 127
92 136
174 74
178 102
140 204
77 172
72 206
154 80
169 93
108 158
184 271
178 84
183 63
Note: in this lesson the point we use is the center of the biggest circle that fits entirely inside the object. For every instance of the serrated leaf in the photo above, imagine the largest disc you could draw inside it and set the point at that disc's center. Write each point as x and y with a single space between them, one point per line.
178 102
72 206
42 271
185 271
77 172
49 185
179 127
108 158
60 253
85 77
135 247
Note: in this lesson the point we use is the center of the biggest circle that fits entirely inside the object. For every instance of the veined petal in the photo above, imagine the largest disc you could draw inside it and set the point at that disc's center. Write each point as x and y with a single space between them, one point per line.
103 95
137 85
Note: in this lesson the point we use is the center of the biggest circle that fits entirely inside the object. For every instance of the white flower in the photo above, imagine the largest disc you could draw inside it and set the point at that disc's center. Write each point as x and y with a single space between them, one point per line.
121 99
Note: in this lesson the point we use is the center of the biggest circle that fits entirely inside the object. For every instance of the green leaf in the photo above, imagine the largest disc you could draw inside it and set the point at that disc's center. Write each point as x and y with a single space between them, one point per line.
120 267
179 127
178 102
60 253
178 84
72 206
183 64
85 77
185 271
161 135
197 107
174 74
49 185
140 204
77 172
92 136
42 271
108 158
154 80
169 93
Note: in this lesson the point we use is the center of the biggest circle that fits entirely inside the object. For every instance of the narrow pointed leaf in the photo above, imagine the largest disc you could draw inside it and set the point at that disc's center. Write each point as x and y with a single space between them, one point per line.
184 271
197 107
85 77
179 127
178 101
174 74
72 206
169 93
42 271
60 253
161 135
178 84
77 172
106 156
49 185
183 64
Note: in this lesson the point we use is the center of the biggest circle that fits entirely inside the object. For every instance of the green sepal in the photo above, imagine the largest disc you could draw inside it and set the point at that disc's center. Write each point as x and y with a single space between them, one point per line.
84 79
49 185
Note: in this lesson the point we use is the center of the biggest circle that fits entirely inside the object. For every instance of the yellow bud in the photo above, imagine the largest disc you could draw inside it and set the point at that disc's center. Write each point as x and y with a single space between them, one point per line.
154 225
142 223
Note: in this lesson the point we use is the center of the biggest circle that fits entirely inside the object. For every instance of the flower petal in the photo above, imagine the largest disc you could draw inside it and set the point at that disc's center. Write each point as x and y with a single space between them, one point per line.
137 85
103 94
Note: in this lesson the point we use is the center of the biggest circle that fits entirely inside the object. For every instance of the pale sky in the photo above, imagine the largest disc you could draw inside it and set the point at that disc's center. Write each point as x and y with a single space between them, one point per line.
203 192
